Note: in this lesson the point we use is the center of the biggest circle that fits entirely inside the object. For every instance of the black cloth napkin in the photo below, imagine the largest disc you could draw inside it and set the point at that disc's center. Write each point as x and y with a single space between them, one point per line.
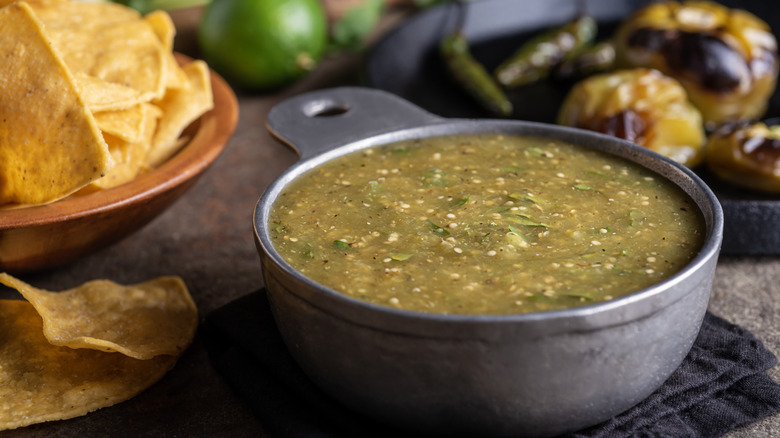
720 385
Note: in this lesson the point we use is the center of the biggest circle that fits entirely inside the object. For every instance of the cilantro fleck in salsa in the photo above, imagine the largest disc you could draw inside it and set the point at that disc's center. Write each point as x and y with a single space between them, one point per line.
484 224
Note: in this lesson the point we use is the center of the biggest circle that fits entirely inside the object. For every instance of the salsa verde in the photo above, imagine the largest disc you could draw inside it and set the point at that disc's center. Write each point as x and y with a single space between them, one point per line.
484 224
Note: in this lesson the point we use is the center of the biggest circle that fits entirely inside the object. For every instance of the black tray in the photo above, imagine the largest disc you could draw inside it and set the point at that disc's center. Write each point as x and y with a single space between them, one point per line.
405 62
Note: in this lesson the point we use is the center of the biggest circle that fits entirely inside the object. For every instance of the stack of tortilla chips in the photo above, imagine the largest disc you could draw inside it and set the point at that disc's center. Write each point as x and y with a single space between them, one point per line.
91 96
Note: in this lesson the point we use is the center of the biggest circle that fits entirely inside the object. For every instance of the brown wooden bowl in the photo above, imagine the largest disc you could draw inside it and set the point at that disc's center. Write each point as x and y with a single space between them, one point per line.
41 237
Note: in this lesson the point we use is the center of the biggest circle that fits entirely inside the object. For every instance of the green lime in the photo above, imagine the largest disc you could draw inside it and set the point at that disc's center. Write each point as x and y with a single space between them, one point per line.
261 45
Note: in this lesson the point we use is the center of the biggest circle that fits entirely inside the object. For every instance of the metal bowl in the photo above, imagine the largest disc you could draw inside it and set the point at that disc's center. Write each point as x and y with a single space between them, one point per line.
538 374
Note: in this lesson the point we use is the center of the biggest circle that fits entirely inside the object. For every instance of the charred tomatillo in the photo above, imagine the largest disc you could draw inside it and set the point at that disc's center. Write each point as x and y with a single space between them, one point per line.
262 45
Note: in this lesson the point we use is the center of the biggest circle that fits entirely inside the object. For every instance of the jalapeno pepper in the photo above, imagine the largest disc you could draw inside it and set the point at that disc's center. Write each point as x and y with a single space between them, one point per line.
472 76
535 59
597 58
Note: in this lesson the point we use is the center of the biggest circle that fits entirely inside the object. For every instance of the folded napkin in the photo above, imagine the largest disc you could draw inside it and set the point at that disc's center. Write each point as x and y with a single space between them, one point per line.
720 385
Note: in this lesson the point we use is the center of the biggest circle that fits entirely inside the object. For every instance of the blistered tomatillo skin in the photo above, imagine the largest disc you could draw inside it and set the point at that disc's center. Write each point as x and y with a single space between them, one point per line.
747 155
642 106
726 59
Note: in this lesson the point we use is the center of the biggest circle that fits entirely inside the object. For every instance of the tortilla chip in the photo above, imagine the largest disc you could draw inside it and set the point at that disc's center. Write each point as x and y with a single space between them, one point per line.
67 15
100 95
50 145
180 108
129 158
156 317
163 27
110 42
128 124
34 3
42 382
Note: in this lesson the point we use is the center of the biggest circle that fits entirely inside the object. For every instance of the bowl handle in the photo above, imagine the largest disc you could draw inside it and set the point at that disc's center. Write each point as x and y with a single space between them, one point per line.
321 120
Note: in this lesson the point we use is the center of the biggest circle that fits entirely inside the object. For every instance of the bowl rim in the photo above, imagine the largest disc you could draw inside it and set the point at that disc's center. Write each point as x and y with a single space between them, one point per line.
214 129
328 299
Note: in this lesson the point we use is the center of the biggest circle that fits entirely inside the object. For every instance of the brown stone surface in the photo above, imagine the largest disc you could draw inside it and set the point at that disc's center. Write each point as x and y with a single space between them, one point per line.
206 238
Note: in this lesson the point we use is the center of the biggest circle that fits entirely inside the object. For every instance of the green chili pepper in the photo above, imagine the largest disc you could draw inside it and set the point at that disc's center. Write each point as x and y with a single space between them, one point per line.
535 59
472 76
593 59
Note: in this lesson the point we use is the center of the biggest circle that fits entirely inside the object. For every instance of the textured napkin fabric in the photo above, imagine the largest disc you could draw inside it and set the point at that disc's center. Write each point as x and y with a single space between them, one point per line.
720 385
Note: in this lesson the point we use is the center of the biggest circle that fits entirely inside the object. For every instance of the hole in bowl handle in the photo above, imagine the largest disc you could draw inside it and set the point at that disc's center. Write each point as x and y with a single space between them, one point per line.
321 120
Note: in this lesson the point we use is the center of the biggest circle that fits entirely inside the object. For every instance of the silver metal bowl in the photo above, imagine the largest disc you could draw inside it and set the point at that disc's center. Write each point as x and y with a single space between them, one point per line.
539 374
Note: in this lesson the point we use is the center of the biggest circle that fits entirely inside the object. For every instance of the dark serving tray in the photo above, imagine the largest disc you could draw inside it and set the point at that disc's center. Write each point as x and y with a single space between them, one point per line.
405 62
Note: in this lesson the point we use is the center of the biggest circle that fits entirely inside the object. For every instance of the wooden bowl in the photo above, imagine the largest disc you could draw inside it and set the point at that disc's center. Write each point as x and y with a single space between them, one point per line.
41 237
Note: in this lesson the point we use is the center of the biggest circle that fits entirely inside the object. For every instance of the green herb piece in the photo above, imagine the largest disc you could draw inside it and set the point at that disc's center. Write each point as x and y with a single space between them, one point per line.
438 229
401 256
582 187
279 228
307 250
636 217
579 295
522 219
598 174
461 201
525 198
434 177
340 244
536 152
517 238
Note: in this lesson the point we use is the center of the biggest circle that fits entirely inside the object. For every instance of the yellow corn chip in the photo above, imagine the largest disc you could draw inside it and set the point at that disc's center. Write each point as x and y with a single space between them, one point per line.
42 382
180 108
110 42
156 317
80 16
49 143
128 157
128 124
100 95
163 27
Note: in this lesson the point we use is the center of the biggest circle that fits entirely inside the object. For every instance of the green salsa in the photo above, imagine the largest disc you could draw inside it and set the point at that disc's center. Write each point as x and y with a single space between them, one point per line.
484 224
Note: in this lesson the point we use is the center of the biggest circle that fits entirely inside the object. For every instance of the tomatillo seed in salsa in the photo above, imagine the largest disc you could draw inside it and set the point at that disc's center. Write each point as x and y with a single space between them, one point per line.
484 224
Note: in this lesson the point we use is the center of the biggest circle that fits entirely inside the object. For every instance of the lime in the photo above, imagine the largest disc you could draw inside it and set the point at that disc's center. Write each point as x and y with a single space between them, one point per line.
261 45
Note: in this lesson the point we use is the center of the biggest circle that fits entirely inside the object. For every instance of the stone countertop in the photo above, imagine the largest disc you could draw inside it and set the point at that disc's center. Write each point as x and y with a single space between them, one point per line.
206 238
